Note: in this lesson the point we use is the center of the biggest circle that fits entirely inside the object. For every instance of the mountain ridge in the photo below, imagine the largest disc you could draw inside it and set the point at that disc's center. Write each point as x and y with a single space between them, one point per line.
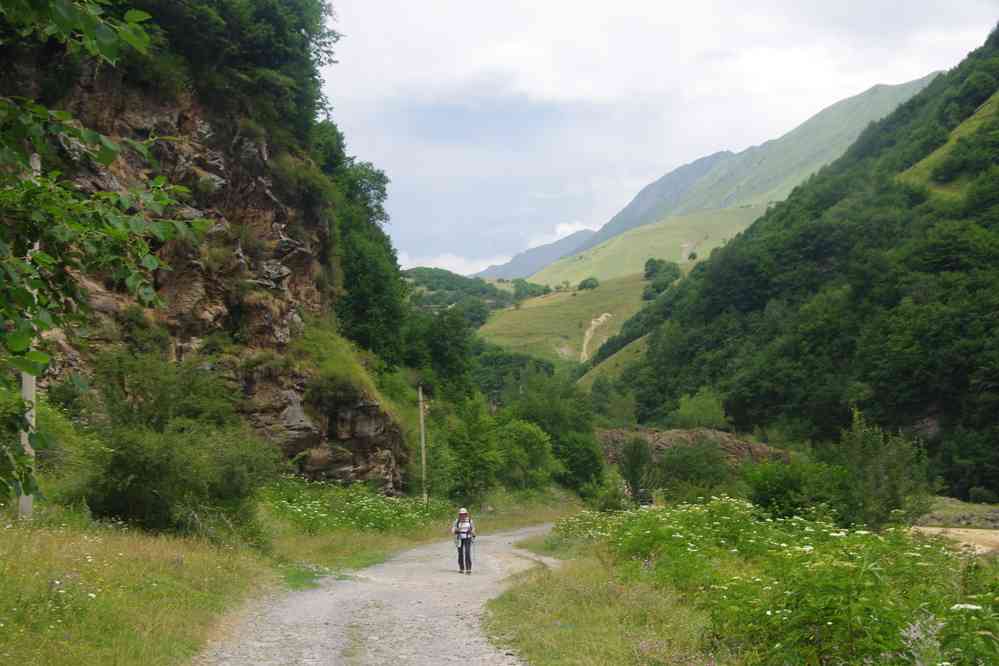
726 179
531 260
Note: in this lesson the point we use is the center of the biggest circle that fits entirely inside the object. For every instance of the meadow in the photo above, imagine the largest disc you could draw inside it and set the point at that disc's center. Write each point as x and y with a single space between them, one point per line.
737 586
612 367
553 327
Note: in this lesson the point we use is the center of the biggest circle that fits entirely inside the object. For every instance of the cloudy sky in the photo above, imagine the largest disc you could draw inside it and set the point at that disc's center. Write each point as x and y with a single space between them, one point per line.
506 124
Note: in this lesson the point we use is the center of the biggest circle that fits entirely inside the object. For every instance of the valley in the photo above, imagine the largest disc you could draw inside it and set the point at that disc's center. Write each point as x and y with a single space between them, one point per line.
252 408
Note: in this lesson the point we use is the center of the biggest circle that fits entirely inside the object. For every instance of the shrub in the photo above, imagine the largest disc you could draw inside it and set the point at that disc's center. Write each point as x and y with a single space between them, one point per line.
526 453
704 409
589 283
888 477
690 470
148 391
191 477
980 495
795 489
607 493
635 461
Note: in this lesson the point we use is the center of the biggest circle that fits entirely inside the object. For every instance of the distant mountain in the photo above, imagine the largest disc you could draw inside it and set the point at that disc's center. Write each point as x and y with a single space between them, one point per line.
657 200
531 261
760 174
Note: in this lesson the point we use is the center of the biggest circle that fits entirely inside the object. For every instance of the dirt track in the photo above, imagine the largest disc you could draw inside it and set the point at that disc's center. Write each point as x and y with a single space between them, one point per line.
984 541
413 609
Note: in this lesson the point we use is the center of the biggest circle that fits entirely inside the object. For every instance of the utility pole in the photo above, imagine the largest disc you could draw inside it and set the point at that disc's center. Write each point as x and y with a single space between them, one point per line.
423 447
26 502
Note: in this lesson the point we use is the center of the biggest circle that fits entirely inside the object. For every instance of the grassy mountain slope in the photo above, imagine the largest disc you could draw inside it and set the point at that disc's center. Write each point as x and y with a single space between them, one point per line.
770 171
658 199
553 327
757 175
674 239
921 173
860 291
613 367
530 261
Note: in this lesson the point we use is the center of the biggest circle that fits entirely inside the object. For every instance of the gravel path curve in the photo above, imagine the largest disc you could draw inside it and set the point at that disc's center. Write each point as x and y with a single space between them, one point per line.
413 609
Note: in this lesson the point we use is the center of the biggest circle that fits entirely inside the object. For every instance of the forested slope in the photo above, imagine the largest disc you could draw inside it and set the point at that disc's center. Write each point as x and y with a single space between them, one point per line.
862 290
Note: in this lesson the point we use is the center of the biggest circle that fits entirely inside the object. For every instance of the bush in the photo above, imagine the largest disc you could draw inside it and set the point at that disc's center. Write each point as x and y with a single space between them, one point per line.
692 469
704 409
635 461
191 477
980 495
148 391
797 488
589 283
888 477
526 453
607 493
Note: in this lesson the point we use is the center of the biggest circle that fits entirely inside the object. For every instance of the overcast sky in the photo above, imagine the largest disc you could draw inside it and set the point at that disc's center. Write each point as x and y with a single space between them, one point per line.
510 123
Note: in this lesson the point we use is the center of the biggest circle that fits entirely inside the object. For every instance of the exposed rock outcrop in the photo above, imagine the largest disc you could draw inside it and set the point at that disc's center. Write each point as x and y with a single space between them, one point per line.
254 274
736 450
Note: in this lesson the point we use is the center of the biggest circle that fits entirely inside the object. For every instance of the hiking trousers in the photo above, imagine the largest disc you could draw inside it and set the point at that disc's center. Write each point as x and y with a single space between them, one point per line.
465 554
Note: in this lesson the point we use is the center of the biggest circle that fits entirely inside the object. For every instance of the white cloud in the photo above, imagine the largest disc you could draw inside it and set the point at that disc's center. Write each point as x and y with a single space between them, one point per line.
452 262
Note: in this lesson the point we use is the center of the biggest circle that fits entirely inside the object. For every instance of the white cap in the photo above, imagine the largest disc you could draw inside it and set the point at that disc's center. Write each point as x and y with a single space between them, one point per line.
462 510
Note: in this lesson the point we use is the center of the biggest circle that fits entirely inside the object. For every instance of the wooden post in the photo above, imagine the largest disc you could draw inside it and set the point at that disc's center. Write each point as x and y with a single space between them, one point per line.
26 502
423 447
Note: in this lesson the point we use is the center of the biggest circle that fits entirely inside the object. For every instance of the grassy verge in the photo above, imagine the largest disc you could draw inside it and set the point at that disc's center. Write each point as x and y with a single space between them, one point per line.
581 614
76 592
722 582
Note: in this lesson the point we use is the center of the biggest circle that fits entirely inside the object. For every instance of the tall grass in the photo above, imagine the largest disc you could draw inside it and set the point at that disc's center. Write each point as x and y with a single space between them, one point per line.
77 592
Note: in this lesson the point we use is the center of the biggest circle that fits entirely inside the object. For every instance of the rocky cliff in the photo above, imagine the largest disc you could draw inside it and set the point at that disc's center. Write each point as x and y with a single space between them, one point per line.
736 450
257 276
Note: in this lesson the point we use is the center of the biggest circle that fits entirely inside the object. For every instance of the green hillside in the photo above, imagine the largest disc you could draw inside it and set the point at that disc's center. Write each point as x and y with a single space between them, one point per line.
760 174
612 367
860 292
554 327
921 173
770 171
674 239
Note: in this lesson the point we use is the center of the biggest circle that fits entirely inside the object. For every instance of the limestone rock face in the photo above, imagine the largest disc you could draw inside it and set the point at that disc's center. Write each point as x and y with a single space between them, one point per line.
363 443
253 274
736 450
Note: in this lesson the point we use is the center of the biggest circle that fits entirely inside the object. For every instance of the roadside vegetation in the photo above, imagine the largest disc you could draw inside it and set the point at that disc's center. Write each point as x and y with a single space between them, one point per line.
726 581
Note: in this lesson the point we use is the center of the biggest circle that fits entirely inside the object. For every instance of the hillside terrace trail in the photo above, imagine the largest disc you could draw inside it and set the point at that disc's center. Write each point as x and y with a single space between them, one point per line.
584 353
414 608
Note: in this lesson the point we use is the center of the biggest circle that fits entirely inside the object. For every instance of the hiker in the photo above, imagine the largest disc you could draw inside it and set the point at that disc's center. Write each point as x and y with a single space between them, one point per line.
464 533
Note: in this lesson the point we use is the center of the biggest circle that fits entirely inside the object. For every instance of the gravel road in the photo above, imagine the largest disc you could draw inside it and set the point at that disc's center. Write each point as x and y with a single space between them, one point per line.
413 609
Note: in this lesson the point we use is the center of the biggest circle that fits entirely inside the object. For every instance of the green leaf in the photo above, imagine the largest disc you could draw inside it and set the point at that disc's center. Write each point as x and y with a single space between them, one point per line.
135 37
24 365
18 341
137 16
65 15
107 41
35 356
106 155
150 262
